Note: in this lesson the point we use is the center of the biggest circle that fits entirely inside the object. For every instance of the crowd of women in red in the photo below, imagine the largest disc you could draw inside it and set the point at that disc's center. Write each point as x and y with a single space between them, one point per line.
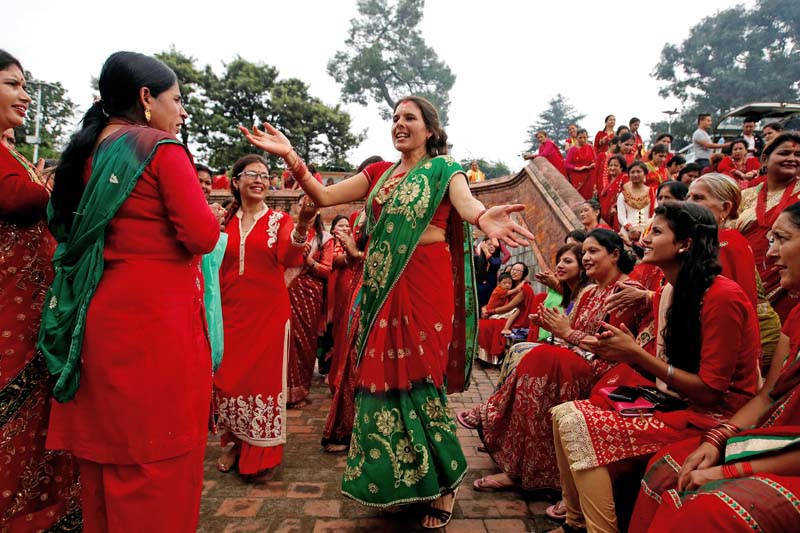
681 368
677 313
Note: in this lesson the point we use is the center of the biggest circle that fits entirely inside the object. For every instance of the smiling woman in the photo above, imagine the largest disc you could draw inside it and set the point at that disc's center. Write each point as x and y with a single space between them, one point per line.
40 488
411 349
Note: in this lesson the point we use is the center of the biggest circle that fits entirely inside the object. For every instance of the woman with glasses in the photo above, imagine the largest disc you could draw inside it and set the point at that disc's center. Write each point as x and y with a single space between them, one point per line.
251 382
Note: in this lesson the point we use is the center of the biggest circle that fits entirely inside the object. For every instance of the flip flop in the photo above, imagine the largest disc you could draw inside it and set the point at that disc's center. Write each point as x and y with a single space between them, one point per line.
557 511
487 484
440 514
461 416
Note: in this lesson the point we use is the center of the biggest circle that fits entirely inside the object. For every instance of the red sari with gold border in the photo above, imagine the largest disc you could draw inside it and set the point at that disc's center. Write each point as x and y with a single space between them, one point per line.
38 488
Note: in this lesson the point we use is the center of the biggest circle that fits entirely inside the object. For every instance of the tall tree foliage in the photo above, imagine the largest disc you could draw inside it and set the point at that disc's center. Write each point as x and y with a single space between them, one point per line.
737 56
58 114
250 93
387 58
554 120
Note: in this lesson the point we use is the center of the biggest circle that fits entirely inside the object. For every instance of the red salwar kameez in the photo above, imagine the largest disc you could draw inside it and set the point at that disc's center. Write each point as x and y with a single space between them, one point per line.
762 502
592 434
491 342
139 420
757 214
307 302
582 180
250 385
515 421
38 489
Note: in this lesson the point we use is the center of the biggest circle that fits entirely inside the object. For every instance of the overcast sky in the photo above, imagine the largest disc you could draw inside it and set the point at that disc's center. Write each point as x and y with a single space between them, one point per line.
509 57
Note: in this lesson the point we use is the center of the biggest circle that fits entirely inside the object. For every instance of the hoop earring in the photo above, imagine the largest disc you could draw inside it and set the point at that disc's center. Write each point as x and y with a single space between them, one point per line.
147 114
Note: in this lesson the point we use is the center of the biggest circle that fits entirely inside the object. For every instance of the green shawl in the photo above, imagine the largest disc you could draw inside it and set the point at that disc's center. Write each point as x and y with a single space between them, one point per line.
394 236
78 261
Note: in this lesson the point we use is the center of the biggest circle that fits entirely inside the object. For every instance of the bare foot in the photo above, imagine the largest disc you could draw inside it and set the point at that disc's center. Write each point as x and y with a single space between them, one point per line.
228 459
336 448
505 332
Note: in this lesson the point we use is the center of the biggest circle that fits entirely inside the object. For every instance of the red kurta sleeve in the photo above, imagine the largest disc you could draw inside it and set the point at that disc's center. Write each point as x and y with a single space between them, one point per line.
569 164
196 226
20 198
325 262
288 254
725 327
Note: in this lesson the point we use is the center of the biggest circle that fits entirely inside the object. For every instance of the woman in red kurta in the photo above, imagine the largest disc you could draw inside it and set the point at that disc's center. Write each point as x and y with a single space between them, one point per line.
251 382
307 299
514 423
617 178
38 488
139 420
580 165
761 206
339 425
338 294
603 137
740 165
708 348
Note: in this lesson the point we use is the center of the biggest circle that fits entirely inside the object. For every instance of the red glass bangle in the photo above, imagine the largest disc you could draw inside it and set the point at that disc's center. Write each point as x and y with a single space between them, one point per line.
747 468
478 218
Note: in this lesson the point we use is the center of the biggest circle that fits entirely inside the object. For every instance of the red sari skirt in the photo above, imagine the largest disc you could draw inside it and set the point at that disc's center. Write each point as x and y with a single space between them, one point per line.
306 299
404 447
339 425
343 290
764 502
38 488
515 422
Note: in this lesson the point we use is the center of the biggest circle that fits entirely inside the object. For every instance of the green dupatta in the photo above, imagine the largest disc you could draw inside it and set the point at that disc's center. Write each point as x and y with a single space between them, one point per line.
394 236
78 261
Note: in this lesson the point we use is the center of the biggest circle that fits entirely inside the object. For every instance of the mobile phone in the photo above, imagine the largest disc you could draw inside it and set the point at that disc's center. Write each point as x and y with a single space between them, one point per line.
624 394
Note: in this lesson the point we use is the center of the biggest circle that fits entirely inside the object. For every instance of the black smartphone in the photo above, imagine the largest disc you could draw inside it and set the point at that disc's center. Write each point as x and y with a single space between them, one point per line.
624 394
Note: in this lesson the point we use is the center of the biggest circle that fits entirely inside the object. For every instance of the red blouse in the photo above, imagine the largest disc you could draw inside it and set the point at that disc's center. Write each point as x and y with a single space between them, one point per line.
374 173
738 262
21 200
145 387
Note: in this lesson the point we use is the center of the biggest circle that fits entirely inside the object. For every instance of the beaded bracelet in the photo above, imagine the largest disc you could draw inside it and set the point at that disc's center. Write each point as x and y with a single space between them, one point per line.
298 240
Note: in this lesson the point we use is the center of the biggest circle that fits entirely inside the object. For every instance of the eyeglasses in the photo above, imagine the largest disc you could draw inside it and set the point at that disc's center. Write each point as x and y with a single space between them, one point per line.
253 175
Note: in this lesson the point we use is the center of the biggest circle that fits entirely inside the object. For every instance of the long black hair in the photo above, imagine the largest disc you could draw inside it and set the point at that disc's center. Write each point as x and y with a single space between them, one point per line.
698 268
123 75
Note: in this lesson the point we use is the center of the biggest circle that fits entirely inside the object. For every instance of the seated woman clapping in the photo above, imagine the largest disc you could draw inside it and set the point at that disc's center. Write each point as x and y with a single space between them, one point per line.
736 478
514 423
707 358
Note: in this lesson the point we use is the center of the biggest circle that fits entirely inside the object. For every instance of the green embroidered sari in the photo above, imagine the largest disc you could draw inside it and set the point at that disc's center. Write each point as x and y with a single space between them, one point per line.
404 447
78 261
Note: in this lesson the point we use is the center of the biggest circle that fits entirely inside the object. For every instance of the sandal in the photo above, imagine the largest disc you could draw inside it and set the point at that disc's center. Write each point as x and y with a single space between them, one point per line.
557 511
465 419
440 514
487 484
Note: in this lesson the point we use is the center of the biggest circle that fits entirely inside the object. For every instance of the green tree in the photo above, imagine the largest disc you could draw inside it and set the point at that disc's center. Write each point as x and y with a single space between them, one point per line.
387 58
554 120
491 169
734 57
250 93
58 115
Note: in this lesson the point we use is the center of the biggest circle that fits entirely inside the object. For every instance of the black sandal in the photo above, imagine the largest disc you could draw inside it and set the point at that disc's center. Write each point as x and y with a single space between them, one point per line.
440 514
566 528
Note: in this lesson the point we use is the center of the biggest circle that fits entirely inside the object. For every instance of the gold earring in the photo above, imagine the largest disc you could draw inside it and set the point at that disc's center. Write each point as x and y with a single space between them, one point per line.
147 114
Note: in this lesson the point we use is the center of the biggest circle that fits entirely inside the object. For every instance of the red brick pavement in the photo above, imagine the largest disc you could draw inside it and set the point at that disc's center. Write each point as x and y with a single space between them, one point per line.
303 494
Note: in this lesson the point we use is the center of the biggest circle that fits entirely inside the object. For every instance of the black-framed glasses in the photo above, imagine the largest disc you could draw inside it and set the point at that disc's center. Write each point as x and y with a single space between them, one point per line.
253 175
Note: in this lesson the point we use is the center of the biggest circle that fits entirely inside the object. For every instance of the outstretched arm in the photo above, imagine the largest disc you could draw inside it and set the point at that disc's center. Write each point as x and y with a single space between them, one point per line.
494 222
273 141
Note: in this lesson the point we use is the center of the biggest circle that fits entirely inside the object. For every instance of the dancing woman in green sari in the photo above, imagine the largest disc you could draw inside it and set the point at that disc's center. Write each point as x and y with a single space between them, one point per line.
413 330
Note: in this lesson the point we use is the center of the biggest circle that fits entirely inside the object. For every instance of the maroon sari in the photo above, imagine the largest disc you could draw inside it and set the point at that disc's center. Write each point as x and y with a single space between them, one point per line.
38 488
